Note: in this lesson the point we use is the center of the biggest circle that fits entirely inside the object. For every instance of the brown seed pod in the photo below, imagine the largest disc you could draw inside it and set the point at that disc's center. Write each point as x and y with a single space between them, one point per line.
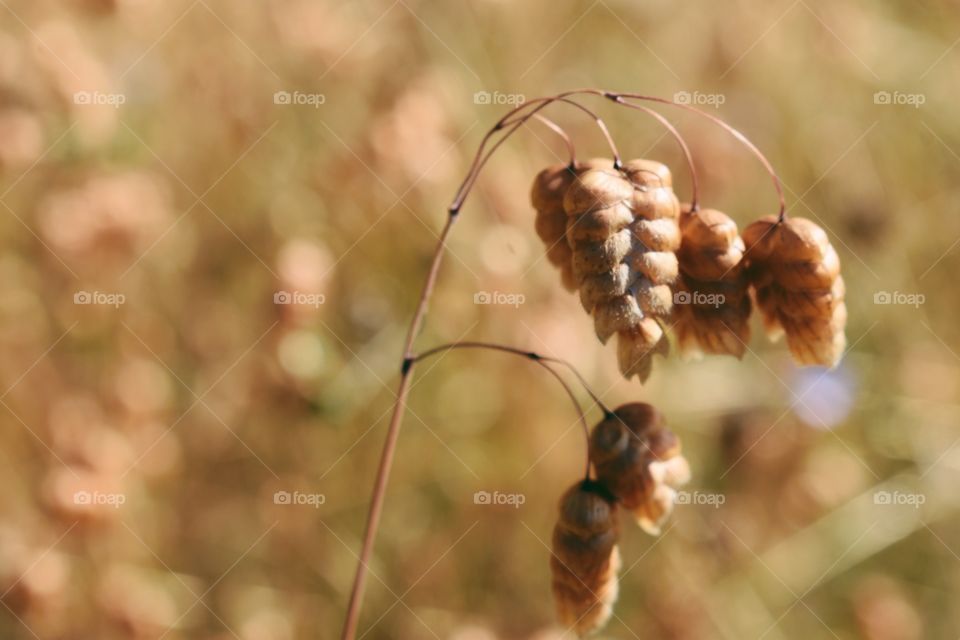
622 232
546 195
795 274
637 458
585 558
712 311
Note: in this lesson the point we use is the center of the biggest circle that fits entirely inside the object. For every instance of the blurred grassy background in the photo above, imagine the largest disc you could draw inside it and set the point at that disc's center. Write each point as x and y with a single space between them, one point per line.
156 197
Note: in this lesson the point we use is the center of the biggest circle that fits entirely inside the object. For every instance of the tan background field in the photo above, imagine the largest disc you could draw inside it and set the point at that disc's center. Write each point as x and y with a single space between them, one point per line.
173 172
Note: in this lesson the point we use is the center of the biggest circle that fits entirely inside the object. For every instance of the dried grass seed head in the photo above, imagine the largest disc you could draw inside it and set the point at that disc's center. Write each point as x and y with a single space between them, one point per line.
622 231
795 273
714 314
638 459
585 559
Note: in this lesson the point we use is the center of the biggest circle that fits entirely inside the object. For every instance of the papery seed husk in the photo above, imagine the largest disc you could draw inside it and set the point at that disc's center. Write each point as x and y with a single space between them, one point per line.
642 172
604 286
654 299
659 267
597 189
658 235
616 315
597 225
590 258
637 347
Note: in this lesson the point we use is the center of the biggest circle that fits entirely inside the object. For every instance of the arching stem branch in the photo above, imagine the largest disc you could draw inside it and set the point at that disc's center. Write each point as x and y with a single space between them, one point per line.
543 361
619 99
694 182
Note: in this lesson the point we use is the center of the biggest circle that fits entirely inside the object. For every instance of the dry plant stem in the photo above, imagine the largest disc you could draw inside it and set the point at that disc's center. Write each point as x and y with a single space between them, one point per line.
540 360
694 183
619 99
532 355
396 418
544 102
480 158
393 430
553 126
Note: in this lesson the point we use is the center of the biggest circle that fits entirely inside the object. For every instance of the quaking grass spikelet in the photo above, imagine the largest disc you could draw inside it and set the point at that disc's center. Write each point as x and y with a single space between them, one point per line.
795 273
622 229
712 314
585 559
638 460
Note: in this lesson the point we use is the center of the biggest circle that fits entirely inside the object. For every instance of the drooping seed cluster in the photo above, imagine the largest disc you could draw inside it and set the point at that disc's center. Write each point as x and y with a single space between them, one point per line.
638 467
795 272
641 266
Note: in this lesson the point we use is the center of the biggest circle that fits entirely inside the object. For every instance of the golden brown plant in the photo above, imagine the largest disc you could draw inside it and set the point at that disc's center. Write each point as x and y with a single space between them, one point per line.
795 272
638 460
585 559
713 304
614 231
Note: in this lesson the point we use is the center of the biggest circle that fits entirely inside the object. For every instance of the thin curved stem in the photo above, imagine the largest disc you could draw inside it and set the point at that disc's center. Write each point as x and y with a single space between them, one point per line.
694 182
545 102
480 158
553 126
529 354
619 99
543 361
393 431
